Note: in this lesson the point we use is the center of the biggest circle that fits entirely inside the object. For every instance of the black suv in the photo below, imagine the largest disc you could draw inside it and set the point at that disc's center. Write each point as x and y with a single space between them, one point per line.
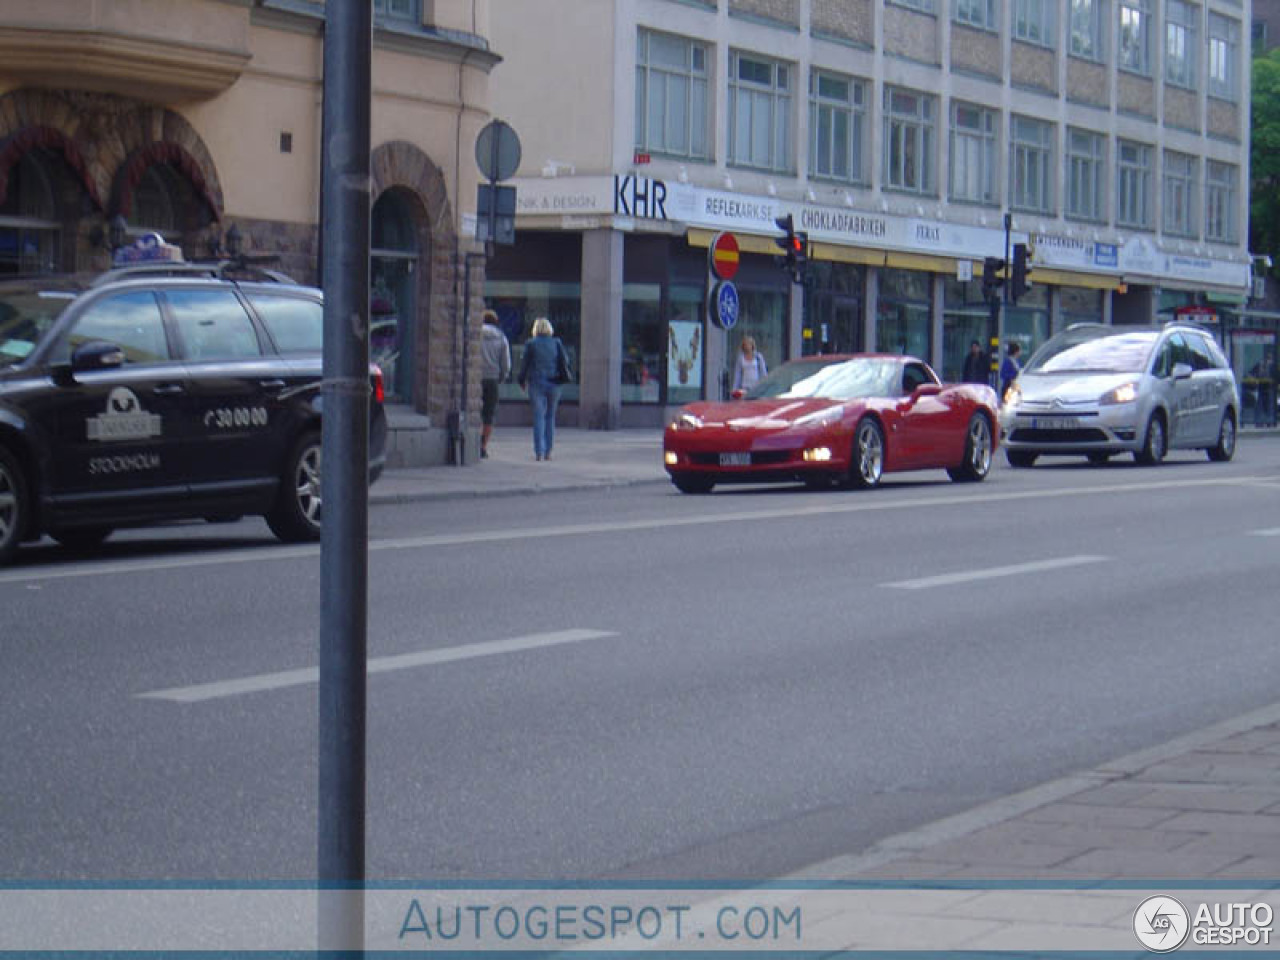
160 392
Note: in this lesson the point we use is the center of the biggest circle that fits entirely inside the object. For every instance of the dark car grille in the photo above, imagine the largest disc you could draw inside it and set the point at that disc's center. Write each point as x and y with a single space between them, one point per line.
1081 435
760 458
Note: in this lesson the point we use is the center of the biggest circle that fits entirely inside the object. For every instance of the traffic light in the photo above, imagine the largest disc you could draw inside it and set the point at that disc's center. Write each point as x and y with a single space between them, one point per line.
1021 272
787 241
992 277
801 249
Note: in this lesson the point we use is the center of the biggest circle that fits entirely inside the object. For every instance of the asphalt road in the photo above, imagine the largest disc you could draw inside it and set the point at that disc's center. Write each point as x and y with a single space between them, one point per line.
632 683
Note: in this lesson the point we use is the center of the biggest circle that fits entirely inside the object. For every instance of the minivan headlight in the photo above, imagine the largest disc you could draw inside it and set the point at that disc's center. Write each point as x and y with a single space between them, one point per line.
1125 393
1013 396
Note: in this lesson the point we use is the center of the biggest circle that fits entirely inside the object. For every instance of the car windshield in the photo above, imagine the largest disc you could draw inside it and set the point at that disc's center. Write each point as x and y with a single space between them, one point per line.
1094 352
27 311
829 377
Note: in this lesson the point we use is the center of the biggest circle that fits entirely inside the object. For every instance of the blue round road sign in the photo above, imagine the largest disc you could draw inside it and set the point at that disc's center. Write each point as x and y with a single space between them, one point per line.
724 305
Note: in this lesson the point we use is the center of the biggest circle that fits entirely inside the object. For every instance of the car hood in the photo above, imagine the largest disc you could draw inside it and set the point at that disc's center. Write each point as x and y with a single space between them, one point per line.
1071 387
770 414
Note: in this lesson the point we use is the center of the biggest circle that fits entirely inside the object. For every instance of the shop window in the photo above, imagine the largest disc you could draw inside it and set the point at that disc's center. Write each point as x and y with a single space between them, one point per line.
685 353
903 312
763 317
1079 305
966 316
392 296
642 346
29 233
518 303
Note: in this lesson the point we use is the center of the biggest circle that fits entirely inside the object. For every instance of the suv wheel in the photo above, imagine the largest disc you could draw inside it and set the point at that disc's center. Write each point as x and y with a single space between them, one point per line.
296 514
13 505
1155 446
1225 448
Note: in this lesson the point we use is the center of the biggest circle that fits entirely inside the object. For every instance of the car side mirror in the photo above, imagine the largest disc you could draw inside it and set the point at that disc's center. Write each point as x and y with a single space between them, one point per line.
926 390
1181 371
738 394
91 355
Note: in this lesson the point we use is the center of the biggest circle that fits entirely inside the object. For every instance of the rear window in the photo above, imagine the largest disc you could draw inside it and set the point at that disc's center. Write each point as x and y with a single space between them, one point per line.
296 324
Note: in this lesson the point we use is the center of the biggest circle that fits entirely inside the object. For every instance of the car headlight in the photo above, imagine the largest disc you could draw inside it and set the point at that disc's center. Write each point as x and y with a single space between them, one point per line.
686 421
818 417
1125 393
1013 396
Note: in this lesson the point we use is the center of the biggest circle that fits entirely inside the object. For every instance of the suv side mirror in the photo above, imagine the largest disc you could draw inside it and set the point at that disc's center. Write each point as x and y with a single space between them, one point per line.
91 355
1181 371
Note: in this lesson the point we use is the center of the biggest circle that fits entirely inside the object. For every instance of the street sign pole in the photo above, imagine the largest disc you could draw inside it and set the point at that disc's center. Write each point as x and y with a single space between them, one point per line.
1004 291
344 539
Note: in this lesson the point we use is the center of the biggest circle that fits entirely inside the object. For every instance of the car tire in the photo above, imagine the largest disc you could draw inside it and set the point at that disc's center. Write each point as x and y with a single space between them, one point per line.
1225 448
1020 458
1155 442
693 484
866 463
295 517
977 452
82 538
14 505
1098 459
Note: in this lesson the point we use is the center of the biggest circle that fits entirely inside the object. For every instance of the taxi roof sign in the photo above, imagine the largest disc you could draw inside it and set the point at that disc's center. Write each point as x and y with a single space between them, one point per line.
147 249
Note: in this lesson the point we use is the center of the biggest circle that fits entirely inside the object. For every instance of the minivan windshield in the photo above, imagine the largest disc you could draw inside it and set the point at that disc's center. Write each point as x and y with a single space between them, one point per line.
1108 352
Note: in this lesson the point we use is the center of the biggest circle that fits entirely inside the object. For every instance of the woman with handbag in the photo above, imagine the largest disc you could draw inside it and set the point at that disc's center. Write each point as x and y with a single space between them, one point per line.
544 367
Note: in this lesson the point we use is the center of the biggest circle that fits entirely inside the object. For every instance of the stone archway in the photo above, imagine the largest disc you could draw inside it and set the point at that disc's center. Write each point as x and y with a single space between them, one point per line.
402 165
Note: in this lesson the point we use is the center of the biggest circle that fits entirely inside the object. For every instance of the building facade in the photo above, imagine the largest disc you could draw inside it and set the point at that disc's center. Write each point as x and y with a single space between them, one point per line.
201 120
1111 134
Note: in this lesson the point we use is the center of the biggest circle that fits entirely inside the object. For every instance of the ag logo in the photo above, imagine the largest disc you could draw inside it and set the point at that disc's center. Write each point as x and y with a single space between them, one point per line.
1161 924
124 419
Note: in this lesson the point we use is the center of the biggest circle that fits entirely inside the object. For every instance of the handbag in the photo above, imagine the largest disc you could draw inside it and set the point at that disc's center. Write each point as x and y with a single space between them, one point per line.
563 373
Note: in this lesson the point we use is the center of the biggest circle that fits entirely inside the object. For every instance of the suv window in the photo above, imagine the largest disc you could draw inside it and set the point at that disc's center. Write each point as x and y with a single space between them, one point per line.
1201 359
213 324
131 321
296 324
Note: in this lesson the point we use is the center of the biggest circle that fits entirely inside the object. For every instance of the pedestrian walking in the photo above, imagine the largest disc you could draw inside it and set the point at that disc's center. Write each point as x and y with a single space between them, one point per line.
544 367
976 365
495 367
750 367
1010 367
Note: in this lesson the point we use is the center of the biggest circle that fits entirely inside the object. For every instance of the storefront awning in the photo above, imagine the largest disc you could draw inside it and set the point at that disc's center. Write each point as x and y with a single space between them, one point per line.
839 253
1069 278
920 261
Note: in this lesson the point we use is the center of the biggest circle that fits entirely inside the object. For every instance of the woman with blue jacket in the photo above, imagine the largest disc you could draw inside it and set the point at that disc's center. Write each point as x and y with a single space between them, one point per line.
545 362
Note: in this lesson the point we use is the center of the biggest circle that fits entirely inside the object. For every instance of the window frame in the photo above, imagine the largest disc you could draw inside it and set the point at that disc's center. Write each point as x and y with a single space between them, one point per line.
1087 42
1131 173
917 129
854 111
697 126
411 13
1180 19
1134 57
1223 65
984 138
1220 201
1033 21
1095 160
778 95
1038 197
979 14
1180 170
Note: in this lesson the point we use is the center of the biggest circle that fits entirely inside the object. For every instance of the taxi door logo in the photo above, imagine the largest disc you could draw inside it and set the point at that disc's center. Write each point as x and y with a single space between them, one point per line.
124 419
1161 924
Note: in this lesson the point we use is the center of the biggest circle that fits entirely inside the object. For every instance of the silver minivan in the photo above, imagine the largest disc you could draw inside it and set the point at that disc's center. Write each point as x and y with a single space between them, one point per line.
1096 391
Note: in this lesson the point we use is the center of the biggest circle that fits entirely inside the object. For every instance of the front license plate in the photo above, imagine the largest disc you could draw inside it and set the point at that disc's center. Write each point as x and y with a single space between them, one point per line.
735 459
1055 423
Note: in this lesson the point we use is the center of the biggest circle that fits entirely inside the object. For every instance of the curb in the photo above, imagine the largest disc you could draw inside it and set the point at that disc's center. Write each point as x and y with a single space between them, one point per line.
417 496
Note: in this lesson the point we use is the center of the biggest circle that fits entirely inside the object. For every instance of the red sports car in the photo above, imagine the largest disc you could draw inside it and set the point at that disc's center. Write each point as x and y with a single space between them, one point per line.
835 419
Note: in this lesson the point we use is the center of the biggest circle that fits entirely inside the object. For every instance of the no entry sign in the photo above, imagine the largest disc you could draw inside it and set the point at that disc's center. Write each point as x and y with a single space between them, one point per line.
724 256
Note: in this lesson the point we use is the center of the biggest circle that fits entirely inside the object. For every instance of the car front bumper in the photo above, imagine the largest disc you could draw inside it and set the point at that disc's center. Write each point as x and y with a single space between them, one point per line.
1115 428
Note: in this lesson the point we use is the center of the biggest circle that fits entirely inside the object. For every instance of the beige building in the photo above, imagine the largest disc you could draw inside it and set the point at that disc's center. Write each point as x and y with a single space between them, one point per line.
200 120
898 135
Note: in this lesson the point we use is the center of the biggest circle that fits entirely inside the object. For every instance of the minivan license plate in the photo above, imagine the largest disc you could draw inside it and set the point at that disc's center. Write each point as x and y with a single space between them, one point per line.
735 459
1055 423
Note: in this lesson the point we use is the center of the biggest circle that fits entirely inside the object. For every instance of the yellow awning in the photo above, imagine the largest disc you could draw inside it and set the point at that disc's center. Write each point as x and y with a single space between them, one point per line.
1069 278
747 242
920 261
839 253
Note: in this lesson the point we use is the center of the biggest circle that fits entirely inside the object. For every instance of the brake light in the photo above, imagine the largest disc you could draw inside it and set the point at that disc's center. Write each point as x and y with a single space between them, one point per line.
379 391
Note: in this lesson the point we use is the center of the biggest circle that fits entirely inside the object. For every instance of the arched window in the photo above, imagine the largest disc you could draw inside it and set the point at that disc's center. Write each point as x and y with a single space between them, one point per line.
393 267
29 228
